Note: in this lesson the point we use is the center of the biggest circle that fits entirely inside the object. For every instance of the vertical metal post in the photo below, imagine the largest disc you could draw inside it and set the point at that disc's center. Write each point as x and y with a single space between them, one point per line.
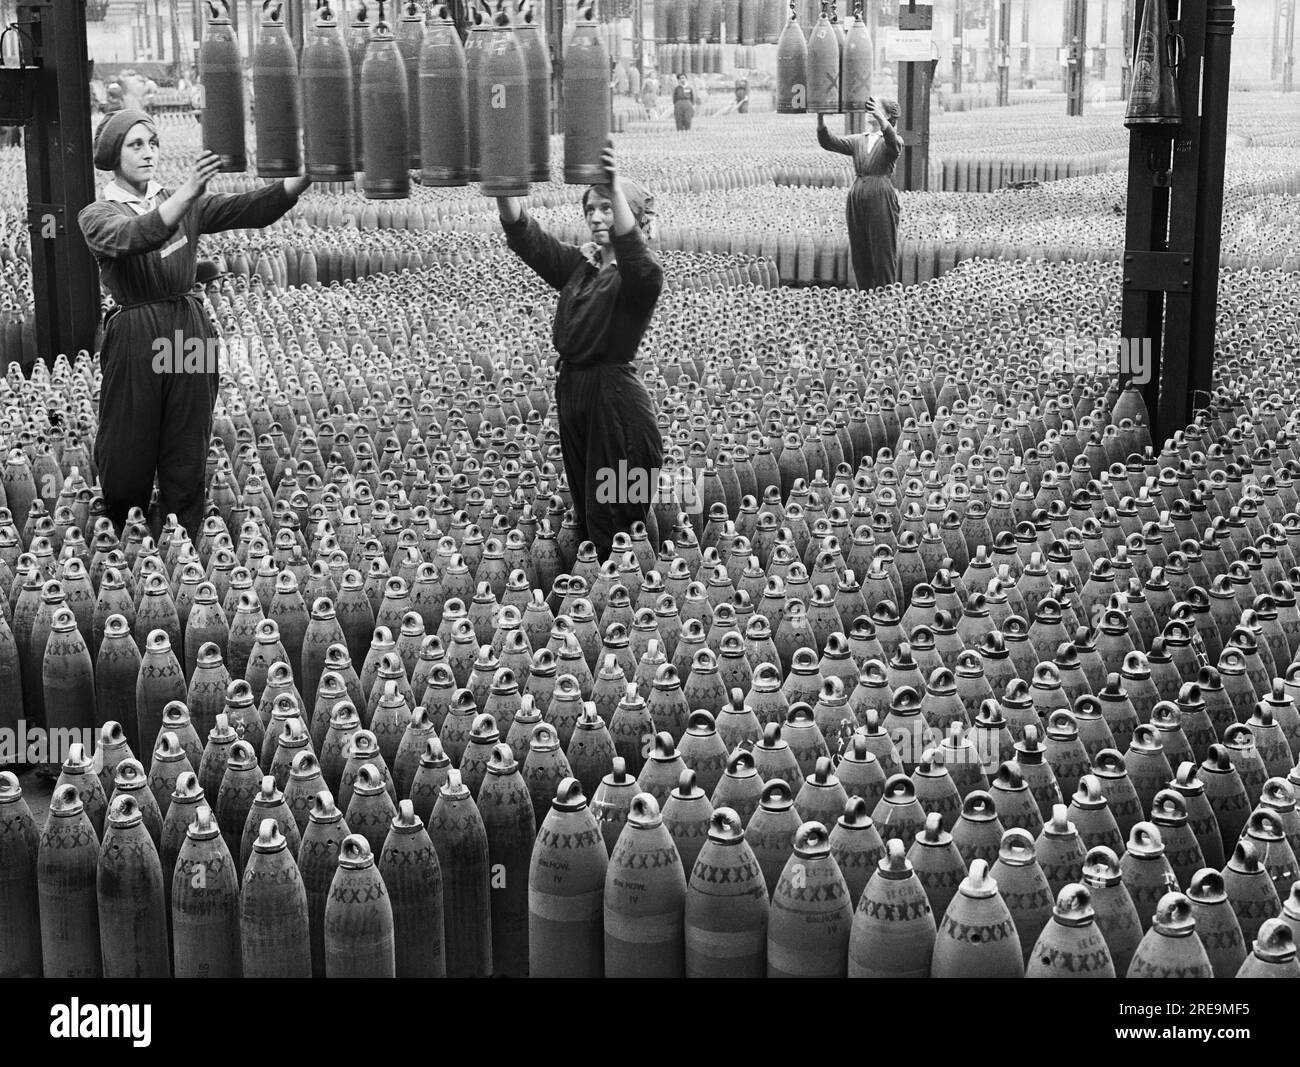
1077 41
1175 208
1288 55
1025 49
60 182
1101 44
913 171
958 19
173 13
1126 69
1004 53
1219 26
1275 56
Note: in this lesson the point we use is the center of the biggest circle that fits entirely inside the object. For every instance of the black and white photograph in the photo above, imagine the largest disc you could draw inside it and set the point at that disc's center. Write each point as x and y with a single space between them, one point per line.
652 489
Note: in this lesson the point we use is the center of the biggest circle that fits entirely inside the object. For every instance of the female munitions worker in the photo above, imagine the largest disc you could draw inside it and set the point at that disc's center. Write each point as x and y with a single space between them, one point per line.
145 239
608 289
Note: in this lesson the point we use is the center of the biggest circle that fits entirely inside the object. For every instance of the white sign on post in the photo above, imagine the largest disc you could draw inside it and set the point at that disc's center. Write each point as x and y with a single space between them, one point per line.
908 46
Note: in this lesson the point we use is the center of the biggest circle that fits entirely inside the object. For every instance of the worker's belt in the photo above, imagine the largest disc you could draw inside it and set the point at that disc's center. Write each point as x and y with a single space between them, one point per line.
175 298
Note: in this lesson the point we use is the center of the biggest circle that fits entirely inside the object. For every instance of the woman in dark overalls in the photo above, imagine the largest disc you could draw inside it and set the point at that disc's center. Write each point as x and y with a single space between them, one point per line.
155 411
872 209
608 290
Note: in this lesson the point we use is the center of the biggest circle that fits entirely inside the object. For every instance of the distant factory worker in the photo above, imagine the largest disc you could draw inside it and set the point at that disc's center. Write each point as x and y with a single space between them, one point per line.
872 208
683 103
609 436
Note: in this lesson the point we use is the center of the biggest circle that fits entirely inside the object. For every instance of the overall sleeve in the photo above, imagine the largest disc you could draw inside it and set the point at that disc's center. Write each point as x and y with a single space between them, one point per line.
112 234
833 142
247 211
553 261
640 276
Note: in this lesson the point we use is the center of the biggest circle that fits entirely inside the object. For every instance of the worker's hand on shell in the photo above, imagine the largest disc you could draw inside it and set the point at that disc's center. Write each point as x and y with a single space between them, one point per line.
205 167
607 162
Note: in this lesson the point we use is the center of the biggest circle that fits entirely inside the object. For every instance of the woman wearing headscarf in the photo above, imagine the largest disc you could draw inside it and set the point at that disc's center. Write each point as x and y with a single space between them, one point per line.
608 289
155 402
872 209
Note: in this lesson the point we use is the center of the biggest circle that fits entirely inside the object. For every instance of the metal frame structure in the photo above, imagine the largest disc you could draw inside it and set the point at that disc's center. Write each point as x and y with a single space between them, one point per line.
913 171
60 178
1175 214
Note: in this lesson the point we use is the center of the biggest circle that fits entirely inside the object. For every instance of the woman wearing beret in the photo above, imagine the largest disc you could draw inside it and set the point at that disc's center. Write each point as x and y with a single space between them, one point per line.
872 208
608 290
155 416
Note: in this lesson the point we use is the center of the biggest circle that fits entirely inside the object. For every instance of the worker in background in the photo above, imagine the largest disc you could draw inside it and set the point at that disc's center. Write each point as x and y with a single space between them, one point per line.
742 95
155 414
683 103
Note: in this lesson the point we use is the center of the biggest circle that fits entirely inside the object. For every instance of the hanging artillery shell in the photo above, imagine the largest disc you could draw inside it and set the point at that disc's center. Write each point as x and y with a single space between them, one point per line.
318 857
508 821
459 837
413 879
613 800
66 869
274 922
1071 945
644 899
1171 949
205 903
1216 923
726 912
893 933
977 936
132 924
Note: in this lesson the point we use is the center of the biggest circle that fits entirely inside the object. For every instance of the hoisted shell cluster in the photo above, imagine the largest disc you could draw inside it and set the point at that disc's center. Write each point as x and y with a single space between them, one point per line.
384 102
828 71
